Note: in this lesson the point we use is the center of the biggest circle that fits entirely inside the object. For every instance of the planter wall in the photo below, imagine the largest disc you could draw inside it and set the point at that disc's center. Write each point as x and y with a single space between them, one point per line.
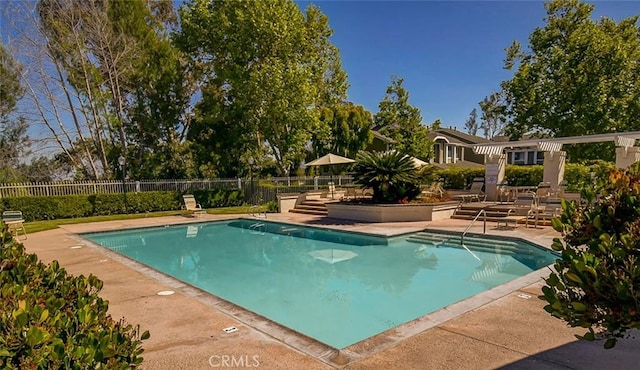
391 212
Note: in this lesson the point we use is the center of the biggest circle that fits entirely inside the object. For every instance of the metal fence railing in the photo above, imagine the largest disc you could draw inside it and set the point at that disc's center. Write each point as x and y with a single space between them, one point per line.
255 190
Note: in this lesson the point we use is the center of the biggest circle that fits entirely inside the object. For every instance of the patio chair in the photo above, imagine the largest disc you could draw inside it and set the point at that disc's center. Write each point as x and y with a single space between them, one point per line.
433 190
475 192
14 222
349 193
543 191
524 207
192 206
552 208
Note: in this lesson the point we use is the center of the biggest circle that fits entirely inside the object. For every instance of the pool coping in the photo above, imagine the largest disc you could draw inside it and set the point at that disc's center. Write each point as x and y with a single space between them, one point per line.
301 342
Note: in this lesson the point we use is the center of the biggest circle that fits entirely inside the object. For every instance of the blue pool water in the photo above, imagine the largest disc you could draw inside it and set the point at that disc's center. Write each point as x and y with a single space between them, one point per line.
336 287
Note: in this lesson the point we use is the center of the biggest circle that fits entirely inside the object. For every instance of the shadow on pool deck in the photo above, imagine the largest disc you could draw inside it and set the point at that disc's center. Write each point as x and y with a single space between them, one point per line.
509 332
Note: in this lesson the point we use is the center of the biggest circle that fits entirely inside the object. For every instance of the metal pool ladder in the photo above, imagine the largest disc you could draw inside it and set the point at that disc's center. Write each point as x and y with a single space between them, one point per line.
482 212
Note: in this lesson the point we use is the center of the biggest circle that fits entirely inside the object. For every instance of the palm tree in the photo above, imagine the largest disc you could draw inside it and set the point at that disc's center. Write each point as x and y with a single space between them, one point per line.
391 175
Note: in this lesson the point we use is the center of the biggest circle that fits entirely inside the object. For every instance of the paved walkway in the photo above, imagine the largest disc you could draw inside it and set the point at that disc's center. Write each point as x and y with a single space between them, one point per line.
501 330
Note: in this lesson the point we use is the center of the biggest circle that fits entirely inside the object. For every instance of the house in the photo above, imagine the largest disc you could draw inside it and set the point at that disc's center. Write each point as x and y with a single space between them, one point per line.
380 143
453 147
526 155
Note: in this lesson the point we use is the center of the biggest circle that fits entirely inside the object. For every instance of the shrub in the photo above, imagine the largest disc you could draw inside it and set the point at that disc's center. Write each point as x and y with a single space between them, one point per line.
596 282
391 175
71 206
459 178
272 206
523 175
50 319
214 198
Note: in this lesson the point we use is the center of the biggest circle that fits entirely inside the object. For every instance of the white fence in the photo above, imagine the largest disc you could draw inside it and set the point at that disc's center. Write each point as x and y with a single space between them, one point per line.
279 184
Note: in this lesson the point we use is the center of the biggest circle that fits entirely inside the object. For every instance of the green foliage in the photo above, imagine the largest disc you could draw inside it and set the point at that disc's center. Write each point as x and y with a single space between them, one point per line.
471 124
215 198
10 88
458 178
14 142
73 206
523 175
391 175
596 282
272 207
259 99
402 122
578 76
579 176
346 129
493 117
50 319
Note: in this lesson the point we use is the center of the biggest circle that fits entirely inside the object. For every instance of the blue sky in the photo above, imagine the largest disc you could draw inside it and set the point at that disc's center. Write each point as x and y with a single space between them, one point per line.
450 53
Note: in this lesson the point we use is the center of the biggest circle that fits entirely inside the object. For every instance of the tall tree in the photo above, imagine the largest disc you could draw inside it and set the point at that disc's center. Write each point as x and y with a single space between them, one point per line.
577 76
14 142
401 121
349 130
472 122
103 76
265 68
493 119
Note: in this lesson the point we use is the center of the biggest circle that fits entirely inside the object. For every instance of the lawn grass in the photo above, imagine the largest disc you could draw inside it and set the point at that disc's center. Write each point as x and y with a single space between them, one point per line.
35 226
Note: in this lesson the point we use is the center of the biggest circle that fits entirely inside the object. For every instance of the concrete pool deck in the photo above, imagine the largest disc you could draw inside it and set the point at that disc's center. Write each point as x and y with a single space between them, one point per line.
511 330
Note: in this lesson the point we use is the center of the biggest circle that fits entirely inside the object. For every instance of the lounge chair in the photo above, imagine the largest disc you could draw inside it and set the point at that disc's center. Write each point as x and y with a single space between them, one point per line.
543 191
524 207
14 222
475 192
433 190
192 206
552 208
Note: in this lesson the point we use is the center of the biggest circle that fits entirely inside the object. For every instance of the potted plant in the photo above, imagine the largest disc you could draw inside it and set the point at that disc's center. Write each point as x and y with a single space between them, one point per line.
395 182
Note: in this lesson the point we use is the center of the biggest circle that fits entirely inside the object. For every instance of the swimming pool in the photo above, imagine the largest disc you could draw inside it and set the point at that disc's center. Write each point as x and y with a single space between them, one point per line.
337 287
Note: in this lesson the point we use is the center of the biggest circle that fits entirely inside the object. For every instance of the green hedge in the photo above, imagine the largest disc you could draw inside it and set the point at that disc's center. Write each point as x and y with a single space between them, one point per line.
52 320
577 176
458 178
215 198
72 206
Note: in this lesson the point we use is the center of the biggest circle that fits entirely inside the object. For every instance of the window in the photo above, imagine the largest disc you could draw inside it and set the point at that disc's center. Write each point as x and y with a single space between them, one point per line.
530 157
540 158
518 157
451 154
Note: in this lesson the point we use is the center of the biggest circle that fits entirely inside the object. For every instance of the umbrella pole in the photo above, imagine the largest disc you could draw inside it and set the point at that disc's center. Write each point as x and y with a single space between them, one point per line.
331 185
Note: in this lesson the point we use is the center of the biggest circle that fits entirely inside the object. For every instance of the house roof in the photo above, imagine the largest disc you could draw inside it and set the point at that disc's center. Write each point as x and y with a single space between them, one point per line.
384 138
457 137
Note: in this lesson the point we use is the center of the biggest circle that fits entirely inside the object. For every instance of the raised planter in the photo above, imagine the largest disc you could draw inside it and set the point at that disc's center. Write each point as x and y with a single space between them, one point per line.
391 212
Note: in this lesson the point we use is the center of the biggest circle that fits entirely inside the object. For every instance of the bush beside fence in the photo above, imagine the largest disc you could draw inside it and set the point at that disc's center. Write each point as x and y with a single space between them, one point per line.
72 206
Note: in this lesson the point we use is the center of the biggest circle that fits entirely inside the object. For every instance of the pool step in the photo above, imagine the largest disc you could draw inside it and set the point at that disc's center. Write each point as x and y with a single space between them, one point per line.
427 236
471 242
311 207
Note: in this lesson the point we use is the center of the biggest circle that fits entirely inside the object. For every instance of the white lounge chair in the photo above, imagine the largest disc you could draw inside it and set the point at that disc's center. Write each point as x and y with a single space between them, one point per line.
192 206
14 222
475 192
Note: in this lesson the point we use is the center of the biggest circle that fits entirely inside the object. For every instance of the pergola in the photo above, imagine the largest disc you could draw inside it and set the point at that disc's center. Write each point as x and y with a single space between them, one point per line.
554 158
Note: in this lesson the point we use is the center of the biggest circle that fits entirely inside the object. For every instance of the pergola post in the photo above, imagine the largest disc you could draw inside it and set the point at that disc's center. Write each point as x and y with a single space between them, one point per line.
627 156
494 168
554 168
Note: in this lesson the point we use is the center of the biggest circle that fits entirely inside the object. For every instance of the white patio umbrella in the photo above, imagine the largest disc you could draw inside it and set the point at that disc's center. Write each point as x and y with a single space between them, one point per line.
418 162
328 160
